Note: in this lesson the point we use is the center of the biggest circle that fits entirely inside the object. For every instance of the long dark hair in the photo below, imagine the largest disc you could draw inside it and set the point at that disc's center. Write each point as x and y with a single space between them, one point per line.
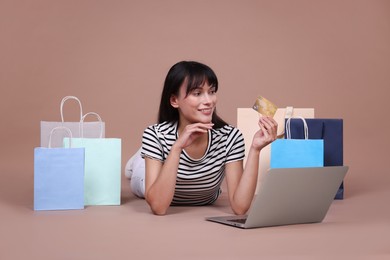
196 74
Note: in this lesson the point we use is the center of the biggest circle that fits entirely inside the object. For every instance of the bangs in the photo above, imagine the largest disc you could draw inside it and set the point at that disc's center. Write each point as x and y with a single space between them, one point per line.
199 78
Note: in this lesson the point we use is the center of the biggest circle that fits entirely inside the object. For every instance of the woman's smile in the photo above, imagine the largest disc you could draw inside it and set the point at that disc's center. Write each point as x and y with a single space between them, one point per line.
207 111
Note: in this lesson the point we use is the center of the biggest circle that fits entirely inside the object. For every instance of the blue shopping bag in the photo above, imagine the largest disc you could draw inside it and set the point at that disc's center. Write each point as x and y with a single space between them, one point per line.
331 131
102 185
295 153
58 176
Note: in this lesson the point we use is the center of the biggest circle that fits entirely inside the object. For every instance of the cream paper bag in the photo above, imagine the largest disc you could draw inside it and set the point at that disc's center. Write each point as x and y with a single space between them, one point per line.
247 123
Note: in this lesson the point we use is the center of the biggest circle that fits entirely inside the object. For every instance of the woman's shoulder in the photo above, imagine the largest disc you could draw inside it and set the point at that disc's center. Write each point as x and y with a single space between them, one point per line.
163 128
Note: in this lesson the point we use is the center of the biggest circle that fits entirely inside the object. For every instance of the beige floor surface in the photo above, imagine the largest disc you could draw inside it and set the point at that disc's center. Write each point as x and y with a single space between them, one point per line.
355 228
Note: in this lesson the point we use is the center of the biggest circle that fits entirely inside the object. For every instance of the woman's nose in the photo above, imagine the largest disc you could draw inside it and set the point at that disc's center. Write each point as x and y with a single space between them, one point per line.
206 98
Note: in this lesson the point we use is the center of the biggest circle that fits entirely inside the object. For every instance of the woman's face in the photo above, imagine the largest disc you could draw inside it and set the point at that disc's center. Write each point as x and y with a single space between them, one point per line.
198 106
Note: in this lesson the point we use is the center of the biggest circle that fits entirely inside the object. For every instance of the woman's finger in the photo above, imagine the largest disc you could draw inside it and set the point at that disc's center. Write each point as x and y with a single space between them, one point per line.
270 124
263 129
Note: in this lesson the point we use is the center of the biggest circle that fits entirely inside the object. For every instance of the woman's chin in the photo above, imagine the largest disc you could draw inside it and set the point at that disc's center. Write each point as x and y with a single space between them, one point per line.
206 120
202 120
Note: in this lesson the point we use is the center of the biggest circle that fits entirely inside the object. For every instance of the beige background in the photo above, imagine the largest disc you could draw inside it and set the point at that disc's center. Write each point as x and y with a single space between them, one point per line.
114 55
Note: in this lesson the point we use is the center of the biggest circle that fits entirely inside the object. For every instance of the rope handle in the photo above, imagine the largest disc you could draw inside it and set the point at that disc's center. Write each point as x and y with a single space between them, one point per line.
61 128
82 123
62 105
288 128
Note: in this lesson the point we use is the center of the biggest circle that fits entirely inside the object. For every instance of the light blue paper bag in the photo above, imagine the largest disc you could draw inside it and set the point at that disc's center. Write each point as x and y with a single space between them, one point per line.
294 153
102 184
58 177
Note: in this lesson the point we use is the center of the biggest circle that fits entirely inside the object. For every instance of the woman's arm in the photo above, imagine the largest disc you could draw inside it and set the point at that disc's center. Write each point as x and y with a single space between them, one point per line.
160 181
241 183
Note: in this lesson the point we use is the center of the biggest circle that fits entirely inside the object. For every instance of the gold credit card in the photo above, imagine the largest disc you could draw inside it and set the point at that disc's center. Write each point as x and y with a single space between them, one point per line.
265 107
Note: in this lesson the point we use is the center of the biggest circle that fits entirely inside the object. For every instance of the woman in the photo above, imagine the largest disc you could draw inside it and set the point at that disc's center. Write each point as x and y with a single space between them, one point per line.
189 152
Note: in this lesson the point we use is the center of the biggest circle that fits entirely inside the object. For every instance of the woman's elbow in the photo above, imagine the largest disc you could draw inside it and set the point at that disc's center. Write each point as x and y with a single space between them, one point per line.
159 212
156 208
239 209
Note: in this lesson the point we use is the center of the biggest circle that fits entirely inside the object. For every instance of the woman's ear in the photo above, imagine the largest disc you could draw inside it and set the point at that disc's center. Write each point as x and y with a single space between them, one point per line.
174 101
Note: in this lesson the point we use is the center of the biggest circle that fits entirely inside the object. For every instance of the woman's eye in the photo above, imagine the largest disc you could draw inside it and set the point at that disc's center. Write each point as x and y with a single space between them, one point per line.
196 93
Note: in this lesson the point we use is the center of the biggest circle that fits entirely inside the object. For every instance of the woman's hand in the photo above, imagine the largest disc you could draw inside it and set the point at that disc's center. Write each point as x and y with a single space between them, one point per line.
192 132
266 134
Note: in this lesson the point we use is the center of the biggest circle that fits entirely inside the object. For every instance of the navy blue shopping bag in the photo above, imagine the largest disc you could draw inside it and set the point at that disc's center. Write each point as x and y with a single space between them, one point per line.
331 131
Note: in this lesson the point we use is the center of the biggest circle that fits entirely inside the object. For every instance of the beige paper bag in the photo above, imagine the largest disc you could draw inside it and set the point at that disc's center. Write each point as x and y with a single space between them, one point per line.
247 119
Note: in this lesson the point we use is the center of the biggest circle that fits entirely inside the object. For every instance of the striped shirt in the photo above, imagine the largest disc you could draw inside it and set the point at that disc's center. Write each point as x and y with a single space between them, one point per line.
198 181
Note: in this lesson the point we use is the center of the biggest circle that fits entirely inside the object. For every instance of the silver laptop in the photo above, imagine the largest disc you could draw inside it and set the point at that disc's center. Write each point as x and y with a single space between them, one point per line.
290 196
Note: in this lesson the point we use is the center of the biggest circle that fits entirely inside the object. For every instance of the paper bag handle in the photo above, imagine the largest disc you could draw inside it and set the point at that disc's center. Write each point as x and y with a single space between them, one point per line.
288 112
305 128
82 123
61 128
62 105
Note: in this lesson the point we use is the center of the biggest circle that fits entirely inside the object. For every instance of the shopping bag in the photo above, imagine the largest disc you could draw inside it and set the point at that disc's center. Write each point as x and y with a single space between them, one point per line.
296 153
102 185
58 176
247 123
331 131
91 129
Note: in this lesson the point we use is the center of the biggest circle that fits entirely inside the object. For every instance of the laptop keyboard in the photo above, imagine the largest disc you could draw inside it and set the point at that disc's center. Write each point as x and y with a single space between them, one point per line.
239 220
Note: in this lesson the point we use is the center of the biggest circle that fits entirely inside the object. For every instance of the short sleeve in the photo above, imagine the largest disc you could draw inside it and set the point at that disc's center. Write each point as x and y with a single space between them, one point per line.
235 146
151 146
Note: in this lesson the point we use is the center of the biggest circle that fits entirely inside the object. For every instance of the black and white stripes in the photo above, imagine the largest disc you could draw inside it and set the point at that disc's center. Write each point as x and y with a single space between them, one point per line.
198 180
